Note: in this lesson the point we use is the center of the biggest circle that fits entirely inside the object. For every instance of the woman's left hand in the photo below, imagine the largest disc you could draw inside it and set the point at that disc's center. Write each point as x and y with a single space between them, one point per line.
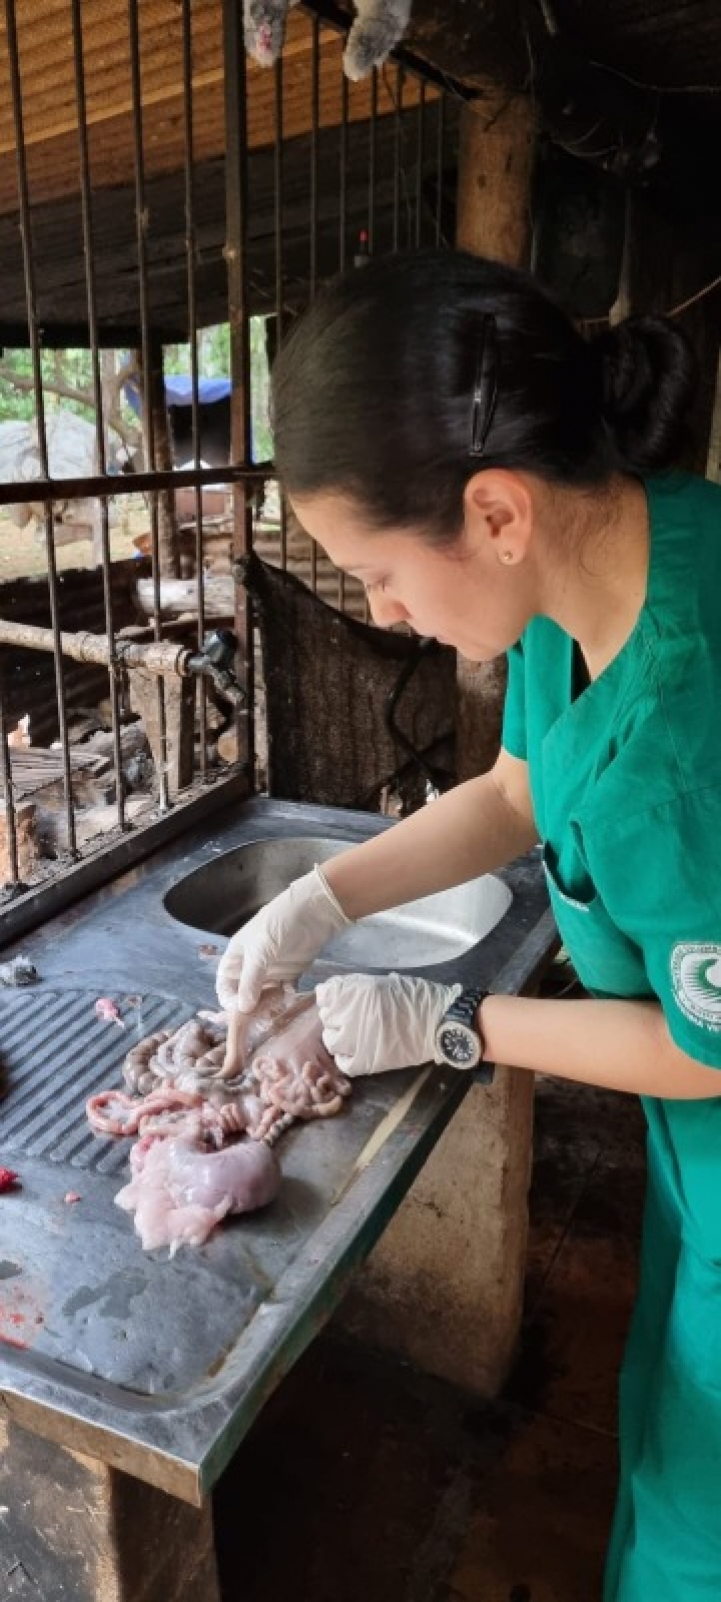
370 1025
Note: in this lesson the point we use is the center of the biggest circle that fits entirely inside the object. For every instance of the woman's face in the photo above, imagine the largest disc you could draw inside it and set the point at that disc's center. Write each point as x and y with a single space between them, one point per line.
470 594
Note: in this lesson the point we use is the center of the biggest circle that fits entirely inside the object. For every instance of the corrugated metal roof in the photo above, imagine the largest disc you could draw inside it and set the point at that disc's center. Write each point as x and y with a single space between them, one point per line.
49 105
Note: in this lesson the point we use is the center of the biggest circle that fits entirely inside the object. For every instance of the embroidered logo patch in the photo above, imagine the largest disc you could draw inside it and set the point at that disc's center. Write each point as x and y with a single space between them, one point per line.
696 974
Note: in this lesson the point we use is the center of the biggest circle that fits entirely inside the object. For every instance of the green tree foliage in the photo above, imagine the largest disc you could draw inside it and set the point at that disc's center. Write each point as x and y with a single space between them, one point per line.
64 370
68 378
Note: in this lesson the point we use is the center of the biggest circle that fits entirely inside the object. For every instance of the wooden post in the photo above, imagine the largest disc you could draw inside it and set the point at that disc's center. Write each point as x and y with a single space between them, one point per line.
168 542
167 522
444 1286
178 746
495 169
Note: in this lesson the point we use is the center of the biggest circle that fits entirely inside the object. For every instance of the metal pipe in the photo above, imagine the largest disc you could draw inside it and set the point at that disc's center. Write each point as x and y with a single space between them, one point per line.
156 656
313 219
343 176
278 109
87 224
397 158
166 658
65 489
190 252
420 163
236 222
141 226
279 282
314 118
372 131
6 780
34 336
440 154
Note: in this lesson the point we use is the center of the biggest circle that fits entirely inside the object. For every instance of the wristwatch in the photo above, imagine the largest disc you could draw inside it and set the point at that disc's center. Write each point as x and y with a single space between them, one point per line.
459 1041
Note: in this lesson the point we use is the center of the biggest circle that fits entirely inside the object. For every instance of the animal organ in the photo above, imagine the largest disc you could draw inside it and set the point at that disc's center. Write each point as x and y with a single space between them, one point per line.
283 1069
378 26
107 1010
173 1112
179 1190
185 1108
191 1056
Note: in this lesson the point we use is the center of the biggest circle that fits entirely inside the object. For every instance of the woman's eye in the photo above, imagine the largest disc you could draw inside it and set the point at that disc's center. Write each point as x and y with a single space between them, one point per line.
378 584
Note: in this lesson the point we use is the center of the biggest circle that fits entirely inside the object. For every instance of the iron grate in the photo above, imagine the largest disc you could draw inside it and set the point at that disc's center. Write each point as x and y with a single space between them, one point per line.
55 1053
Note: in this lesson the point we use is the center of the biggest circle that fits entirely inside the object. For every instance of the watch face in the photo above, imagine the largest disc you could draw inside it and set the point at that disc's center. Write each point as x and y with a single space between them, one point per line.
459 1046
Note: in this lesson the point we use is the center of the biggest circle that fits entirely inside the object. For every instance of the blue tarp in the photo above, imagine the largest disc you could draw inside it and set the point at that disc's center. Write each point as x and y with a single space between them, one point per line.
179 391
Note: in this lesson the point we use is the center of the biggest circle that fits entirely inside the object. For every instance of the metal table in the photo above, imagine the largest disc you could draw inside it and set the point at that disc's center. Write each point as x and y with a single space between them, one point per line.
129 1361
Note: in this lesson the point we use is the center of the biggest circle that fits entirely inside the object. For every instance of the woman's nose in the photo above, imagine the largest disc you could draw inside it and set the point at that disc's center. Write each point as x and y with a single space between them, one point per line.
385 611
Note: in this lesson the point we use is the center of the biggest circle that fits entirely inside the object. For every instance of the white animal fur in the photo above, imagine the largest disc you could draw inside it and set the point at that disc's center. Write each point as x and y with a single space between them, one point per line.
378 26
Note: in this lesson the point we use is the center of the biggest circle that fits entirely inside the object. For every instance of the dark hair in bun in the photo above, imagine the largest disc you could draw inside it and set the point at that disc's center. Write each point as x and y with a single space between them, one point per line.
648 374
373 392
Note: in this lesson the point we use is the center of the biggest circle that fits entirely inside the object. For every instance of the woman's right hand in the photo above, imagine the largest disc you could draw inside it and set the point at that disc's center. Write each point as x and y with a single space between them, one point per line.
280 942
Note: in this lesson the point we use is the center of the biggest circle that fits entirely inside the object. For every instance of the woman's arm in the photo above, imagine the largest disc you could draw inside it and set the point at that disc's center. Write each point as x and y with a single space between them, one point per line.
478 826
618 1045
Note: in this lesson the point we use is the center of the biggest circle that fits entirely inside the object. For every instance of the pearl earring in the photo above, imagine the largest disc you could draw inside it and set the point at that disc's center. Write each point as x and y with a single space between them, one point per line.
506 556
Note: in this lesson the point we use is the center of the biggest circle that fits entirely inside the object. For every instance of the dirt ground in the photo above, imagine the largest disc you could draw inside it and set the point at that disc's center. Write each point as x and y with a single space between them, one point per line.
22 550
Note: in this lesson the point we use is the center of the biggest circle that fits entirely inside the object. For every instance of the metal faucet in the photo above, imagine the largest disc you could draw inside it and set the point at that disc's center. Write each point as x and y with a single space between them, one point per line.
215 662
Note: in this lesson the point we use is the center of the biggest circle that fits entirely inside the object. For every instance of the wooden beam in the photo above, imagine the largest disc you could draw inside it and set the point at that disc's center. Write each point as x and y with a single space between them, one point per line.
57 236
212 78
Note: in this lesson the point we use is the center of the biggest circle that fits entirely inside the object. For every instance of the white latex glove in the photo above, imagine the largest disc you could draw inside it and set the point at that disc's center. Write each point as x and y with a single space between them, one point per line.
370 1024
280 942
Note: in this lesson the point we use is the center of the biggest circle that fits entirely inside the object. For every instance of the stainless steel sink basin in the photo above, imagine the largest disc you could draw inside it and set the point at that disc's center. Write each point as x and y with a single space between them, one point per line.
220 896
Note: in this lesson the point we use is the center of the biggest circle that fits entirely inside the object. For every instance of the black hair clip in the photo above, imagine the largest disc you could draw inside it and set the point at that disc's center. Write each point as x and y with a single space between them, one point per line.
485 387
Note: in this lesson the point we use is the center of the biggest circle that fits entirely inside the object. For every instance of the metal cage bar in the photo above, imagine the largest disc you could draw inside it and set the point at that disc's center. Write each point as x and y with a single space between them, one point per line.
278 119
34 336
141 225
372 162
420 165
91 290
343 178
440 166
191 251
313 266
6 779
368 160
236 226
397 157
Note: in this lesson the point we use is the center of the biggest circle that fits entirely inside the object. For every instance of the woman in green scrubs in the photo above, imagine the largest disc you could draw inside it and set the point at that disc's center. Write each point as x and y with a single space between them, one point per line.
496 480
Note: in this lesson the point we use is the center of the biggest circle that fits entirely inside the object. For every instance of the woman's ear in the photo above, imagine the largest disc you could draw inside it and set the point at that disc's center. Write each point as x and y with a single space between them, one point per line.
498 507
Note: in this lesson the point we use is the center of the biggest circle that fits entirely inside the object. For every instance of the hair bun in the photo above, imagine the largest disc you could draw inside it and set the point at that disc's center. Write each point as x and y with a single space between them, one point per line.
648 377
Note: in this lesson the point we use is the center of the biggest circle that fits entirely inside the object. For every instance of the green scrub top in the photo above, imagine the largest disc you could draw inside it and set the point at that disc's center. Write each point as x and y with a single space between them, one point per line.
626 785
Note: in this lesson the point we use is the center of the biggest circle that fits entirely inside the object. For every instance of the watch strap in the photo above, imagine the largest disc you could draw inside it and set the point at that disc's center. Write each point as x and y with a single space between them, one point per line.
463 1010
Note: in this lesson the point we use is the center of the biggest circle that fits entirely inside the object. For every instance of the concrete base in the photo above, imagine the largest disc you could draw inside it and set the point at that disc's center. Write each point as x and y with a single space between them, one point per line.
74 1530
444 1286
